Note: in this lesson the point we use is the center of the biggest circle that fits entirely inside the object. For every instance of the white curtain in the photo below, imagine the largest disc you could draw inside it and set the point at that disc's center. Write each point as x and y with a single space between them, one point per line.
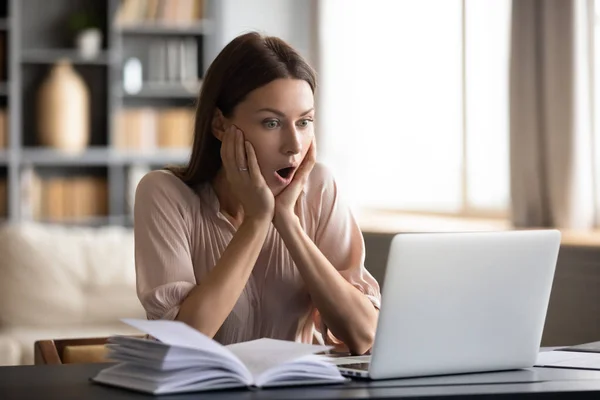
551 114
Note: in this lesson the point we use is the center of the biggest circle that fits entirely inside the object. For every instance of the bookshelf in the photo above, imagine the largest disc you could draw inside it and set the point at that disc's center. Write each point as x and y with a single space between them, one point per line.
139 118
51 56
150 29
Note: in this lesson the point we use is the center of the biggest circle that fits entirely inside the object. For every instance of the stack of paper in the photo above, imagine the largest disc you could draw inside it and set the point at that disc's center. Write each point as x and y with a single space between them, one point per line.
568 359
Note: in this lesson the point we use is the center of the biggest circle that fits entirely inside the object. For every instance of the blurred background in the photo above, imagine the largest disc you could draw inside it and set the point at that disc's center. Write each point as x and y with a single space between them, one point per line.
434 115
481 110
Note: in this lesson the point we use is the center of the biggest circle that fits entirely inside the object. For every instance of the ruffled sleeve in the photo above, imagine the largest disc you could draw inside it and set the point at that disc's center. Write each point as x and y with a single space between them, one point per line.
163 261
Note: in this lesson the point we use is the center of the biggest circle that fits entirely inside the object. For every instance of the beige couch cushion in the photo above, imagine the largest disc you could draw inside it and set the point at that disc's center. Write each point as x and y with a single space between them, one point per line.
10 351
52 276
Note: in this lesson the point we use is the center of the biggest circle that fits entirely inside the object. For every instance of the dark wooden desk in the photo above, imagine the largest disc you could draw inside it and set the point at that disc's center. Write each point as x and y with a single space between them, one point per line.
71 382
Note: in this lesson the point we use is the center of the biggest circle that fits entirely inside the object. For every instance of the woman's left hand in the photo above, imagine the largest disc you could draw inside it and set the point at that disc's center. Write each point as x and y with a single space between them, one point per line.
286 200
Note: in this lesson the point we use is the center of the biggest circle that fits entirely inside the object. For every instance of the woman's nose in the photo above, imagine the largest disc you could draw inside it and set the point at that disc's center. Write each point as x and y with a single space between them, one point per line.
292 144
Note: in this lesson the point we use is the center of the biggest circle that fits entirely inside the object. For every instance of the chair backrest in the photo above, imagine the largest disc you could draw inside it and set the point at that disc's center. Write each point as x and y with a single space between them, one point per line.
69 351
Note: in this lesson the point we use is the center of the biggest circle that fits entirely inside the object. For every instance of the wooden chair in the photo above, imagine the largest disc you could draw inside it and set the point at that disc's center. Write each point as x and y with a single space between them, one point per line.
69 351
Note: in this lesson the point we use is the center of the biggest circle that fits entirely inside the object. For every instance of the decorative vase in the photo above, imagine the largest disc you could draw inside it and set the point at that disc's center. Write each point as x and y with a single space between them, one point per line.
63 106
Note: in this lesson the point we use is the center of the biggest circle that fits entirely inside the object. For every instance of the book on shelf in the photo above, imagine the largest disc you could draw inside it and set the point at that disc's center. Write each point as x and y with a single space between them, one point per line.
62 198
165 12
178 358
169 69
146 128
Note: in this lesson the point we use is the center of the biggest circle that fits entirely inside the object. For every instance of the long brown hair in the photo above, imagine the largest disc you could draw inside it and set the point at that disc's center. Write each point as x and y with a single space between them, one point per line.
248 62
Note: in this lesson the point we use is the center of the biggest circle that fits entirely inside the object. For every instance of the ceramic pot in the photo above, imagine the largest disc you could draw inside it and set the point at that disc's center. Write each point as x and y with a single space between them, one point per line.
88 43
63 109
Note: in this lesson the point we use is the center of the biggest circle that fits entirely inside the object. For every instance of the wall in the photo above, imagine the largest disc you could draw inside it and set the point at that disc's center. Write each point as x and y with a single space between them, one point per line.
291 20
574 310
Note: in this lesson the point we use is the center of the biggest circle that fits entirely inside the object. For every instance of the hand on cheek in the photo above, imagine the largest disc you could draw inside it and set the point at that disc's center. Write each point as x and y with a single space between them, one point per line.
244 176
286 200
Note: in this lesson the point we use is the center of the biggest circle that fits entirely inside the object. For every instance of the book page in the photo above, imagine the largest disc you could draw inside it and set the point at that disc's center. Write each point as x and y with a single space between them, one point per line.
262 354
177 333
568 359
310 369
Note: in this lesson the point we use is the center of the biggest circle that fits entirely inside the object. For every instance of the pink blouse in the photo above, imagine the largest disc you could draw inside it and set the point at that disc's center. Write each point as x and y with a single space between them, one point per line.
180 234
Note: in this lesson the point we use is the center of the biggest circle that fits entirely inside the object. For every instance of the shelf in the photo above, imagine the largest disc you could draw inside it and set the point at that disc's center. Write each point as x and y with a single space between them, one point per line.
162 91
101 156
196 29
4 157
96 221
51 56
156 157
121 220
43 156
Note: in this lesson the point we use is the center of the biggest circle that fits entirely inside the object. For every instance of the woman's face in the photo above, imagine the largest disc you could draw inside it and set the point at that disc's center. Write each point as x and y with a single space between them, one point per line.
278 120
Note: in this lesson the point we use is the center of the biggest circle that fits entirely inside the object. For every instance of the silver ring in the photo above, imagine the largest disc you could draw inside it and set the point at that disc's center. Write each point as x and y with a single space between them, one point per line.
243 169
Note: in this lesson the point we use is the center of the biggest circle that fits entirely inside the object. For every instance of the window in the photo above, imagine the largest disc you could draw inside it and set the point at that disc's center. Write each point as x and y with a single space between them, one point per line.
414 103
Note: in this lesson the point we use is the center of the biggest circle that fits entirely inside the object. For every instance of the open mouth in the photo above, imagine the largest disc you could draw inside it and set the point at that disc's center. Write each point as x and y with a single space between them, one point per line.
285 173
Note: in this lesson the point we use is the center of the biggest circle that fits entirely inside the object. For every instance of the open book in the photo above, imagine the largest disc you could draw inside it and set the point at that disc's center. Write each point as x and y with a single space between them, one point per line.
182 359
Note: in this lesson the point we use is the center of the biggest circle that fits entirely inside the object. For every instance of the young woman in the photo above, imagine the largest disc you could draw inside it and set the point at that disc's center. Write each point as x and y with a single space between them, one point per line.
251 239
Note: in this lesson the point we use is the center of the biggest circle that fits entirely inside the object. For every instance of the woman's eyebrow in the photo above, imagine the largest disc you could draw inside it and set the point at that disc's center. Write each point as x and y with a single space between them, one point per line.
274 111
307 111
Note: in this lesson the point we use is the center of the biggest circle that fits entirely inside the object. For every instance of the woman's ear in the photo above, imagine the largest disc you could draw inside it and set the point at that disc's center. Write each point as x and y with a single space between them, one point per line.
218 124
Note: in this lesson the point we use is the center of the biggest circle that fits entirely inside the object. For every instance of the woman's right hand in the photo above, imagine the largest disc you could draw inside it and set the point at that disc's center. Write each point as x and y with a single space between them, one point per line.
244 176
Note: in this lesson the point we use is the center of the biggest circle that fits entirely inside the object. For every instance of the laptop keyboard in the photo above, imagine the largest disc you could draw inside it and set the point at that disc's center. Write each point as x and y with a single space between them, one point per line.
345 360
358 366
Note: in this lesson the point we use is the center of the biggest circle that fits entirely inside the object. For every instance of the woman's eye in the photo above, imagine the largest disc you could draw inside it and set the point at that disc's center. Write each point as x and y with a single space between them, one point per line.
304 123
271 124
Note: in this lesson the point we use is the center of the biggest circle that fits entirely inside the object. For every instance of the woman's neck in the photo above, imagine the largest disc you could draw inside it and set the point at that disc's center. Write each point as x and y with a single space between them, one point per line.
229 204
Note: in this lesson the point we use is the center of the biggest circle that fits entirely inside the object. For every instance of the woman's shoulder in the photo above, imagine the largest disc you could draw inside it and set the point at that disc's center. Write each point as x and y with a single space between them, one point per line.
161 180
163 186
321 188
323 200
321 179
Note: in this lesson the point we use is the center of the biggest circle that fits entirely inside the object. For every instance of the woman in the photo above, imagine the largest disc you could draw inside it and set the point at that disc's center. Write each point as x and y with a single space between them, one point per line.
251 239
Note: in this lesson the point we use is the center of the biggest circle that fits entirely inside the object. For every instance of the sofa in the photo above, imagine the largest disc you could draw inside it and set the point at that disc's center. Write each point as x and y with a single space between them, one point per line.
63 282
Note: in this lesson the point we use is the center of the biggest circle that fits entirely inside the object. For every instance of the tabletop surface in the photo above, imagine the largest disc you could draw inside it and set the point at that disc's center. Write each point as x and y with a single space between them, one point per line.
72 382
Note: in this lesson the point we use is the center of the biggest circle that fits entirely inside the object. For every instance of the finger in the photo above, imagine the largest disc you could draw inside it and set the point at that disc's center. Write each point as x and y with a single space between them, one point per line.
308 163
253 167
240 151
312 152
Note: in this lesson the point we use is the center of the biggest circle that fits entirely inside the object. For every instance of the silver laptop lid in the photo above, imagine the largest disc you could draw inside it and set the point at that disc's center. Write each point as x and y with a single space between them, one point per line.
463 302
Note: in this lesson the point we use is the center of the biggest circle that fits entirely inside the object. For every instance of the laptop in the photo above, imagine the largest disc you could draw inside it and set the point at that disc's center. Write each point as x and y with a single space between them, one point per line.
460 303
